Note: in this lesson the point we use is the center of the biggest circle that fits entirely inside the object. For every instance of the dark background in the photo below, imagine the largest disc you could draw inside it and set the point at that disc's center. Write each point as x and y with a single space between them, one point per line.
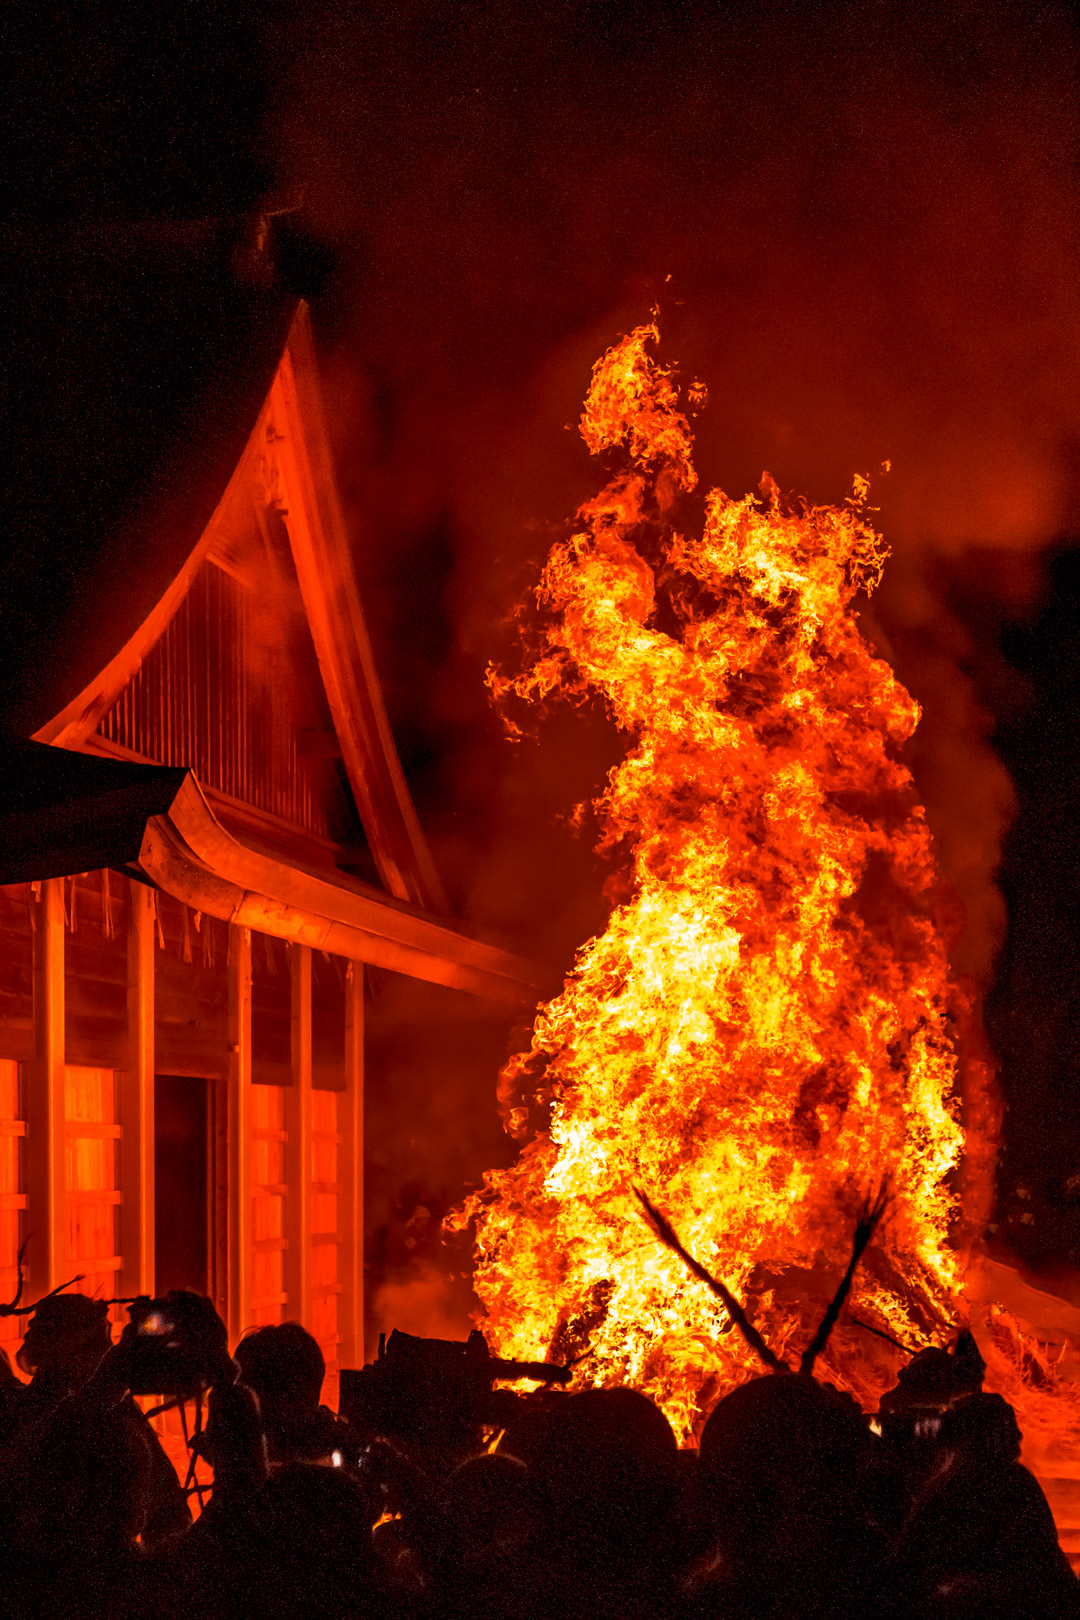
861 225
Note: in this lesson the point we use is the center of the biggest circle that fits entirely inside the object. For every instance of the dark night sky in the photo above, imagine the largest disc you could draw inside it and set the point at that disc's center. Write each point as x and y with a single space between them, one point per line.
870 218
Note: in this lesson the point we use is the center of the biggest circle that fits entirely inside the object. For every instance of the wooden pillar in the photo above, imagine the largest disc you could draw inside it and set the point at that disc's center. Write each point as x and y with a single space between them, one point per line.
137 1101
351 1174
46 1214
298 1144
239 1133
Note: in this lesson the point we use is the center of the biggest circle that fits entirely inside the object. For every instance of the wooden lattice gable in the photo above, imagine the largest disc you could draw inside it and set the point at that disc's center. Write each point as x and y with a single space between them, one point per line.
255 668
232 690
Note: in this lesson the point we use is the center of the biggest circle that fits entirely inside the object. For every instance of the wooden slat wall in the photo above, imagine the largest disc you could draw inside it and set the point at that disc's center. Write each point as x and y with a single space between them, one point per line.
12 1196
17 970
95 994
93 1198
223 693
268 1204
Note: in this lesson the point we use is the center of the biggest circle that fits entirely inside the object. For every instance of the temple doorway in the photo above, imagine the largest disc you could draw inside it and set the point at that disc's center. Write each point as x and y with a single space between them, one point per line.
181 1159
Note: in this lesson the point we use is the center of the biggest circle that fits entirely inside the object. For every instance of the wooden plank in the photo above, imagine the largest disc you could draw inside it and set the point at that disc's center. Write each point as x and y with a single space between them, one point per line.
138 1211
269 1187
298 1146
351 1176
45 1142
93 1198
239 1290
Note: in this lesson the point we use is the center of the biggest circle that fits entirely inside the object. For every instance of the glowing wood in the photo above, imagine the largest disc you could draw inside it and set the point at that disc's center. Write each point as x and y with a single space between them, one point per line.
137 1213
239 1137
193 857
298 1151
45 1157
351 1174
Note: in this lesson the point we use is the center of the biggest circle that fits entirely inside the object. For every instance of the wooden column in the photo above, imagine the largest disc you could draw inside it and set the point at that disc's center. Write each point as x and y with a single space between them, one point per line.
46 1213
351 1174
239 1133
298 1145
137 1101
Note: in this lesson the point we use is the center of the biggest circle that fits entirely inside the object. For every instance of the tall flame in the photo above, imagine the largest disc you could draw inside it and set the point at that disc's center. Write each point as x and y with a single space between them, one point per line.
763 1031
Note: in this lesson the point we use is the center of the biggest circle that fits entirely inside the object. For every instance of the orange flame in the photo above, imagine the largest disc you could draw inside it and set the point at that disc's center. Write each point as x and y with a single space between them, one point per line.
763 1030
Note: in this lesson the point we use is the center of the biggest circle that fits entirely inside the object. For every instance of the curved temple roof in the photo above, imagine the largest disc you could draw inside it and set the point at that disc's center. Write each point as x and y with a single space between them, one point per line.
156 821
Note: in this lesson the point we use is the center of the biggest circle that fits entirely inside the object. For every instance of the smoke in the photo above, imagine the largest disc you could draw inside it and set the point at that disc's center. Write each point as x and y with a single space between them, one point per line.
860 226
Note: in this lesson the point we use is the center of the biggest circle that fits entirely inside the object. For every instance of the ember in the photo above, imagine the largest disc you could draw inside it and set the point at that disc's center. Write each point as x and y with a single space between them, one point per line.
767 1027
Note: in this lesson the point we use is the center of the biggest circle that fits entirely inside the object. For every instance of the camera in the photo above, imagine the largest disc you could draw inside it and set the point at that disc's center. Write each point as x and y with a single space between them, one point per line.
178 1345
435 1391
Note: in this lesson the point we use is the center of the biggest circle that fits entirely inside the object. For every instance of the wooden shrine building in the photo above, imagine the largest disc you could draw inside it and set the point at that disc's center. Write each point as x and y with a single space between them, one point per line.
201 847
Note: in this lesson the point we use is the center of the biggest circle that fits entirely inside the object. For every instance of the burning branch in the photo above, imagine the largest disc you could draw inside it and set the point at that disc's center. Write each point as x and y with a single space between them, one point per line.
668 1236
864 1231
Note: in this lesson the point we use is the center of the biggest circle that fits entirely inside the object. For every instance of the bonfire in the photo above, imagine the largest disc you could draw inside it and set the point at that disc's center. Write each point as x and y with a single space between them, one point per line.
767 1028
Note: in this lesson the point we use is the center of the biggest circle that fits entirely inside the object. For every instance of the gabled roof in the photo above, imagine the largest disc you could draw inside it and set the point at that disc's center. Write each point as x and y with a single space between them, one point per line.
200 846
286 463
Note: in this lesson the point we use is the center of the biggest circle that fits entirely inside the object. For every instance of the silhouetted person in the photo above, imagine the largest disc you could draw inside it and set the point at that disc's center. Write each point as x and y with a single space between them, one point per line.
607 1460
911 1417
981 1541
284 1366
83 1475
781 1458
489 1543
310 1552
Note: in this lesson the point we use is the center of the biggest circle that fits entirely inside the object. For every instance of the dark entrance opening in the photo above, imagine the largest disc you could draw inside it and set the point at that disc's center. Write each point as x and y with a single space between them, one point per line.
180 1183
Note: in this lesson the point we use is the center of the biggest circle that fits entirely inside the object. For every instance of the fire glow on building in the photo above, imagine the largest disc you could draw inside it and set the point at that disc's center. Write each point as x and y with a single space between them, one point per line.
767 1029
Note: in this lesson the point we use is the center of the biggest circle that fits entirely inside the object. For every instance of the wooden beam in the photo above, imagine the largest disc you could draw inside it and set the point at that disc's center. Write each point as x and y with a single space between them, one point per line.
46 1191
137 1211
189 854
302 485
239 1133
351 1175
298 1144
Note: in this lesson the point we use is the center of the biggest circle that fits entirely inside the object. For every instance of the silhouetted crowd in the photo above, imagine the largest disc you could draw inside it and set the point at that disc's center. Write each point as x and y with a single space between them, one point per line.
557 1506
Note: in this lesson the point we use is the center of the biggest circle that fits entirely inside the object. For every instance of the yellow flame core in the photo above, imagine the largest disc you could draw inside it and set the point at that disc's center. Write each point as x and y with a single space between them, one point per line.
762 1031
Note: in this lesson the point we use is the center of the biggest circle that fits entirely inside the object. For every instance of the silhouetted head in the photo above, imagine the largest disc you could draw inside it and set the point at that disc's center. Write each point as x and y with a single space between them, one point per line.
982 1429
779 1444
608 1459
934 1378
492 1507
284 1366
67 1337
